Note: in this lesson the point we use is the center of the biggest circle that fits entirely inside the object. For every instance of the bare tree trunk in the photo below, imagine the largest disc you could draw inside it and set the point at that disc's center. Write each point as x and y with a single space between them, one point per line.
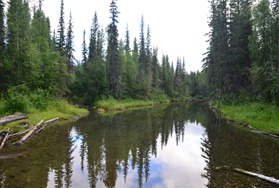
12 118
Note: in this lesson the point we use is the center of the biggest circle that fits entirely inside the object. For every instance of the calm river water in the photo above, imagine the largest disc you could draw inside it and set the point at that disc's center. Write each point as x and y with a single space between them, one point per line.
168 146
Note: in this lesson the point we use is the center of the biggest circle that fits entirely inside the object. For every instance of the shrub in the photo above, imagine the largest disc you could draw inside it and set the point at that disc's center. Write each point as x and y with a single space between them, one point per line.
40 99
16 101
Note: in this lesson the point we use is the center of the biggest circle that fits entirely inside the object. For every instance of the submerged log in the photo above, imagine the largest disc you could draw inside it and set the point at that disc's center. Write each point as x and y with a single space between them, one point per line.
5 139
12 155
46 123
266 133
29 134
260 176
12 118
263 177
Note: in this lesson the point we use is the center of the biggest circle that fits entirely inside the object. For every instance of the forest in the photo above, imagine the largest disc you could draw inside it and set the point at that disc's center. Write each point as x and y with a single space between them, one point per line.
38 63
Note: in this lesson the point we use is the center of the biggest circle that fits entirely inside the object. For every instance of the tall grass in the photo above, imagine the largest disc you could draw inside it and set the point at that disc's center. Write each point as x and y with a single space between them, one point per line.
113 104
259 115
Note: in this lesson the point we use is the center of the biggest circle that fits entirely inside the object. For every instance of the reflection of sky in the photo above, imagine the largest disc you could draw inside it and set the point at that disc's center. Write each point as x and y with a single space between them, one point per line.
175 165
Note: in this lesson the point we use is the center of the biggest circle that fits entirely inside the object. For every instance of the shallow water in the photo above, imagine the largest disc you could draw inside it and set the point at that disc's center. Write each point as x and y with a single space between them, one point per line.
168 146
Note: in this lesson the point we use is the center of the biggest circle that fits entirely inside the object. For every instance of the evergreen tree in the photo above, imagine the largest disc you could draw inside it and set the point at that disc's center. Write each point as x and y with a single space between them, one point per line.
113 53
260 46
84 49
127 41
2 47
18 29
93 39
142 51
2 30
240 29
61 30
70 47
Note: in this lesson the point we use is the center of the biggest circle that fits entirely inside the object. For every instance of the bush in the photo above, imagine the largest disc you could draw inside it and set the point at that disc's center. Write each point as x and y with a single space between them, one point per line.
16 102
21 99
40 99
159 95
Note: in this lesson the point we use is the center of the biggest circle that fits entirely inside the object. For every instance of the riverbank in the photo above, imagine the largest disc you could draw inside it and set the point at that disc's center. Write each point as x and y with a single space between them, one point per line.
113 104
261 116
58 108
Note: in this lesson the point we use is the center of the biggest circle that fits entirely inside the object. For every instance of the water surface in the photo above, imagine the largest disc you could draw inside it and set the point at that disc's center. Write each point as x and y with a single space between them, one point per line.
168 146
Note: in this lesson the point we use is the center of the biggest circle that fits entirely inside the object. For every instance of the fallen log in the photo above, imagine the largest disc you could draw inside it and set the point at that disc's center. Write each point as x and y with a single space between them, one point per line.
260 176
5 139
12 118
12 154
46 123
263 177
29 134
266 133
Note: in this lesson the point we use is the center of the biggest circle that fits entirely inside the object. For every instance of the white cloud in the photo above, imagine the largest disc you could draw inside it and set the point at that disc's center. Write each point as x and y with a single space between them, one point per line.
177 27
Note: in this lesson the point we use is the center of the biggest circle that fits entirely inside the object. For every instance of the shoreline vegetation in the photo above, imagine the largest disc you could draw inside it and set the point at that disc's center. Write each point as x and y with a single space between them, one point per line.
259 116
57 108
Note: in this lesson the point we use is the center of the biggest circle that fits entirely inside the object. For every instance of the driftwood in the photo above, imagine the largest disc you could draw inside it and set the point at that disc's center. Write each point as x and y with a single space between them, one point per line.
260 176
12 154
35 130
46 123
266 133
12 118
29 134
263 177
5 139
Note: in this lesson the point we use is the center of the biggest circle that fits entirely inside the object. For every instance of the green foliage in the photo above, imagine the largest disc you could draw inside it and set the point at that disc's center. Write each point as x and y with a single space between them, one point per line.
17 100
259 115
40 99
159 95
21 99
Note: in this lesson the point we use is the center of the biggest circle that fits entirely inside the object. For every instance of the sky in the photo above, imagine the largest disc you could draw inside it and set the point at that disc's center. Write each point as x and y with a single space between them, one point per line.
178 27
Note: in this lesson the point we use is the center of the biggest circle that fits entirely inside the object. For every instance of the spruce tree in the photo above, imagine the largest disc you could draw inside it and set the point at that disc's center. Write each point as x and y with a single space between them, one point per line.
69 49
113 52
18 39
2 47
2 30
92 54
61 30
84 49
142 51
260 46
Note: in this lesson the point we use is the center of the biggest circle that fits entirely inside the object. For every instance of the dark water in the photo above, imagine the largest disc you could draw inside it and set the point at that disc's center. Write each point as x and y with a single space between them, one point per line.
166 146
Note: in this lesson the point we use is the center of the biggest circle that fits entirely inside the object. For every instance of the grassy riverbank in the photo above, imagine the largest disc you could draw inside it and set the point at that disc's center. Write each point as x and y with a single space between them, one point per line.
56 108
261 116
113 104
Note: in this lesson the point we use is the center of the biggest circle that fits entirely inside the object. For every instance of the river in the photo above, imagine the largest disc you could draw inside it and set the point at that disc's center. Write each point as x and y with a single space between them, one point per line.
167 146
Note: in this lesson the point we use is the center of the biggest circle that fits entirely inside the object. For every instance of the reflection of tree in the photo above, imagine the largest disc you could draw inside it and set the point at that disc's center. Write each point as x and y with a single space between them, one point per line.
50 151
128 139
224 145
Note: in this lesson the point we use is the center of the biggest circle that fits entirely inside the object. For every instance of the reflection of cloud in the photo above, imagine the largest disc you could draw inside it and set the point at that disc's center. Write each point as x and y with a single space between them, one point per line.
182 165
175 165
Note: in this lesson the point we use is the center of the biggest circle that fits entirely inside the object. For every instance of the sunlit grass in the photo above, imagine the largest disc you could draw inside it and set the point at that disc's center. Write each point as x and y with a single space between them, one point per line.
261 116
113 104
57 108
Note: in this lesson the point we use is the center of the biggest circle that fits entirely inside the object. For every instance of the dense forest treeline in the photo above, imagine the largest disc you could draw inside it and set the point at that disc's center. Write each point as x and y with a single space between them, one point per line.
36 59
242 60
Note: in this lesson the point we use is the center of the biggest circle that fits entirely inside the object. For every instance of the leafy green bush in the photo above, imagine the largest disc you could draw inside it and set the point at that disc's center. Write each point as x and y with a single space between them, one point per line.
159 95
40 99
16 100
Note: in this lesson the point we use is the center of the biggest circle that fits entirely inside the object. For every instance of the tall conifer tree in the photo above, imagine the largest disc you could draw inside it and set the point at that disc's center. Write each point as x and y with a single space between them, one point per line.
61 30
113 52
2 30
70 46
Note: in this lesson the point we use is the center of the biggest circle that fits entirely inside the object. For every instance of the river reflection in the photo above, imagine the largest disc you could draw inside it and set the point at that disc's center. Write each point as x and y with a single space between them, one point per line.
175 145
